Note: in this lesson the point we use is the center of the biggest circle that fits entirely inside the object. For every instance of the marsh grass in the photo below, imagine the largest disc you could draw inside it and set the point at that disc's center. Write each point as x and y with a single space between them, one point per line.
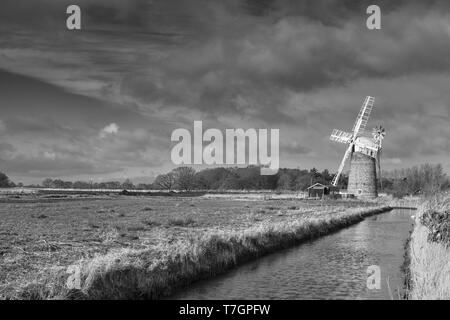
151 223
429 261
32 268
157 272
180 222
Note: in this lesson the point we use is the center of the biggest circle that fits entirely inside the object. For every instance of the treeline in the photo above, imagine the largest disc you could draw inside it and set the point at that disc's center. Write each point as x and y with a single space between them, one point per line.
62 184
187 179
424 179
248 178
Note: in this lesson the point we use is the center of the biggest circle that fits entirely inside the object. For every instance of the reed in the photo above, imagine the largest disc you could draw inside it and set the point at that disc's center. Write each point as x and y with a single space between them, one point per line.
157 272
429 261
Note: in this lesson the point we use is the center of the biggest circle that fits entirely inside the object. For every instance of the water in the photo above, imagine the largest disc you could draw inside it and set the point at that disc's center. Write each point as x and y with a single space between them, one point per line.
332 267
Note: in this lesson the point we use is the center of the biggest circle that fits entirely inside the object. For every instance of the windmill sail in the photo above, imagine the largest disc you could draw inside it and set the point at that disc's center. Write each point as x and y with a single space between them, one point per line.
341 136
335 180
363 116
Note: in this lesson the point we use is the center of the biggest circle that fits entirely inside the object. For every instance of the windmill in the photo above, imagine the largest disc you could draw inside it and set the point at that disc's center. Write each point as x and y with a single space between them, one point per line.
364 153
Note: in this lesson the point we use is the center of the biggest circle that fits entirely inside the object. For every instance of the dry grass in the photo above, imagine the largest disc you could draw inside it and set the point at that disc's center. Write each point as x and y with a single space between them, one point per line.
153 273
137 247
430 262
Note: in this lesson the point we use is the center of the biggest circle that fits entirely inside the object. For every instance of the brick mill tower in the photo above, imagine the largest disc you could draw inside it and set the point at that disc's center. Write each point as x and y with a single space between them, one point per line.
364 153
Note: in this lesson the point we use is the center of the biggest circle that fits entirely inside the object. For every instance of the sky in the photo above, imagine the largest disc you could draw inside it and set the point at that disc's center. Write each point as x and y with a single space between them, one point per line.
101 103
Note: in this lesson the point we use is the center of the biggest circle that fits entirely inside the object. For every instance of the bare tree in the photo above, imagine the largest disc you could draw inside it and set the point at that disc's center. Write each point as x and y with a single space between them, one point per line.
47 183
425 179
165 181
185 178
127 184
4 181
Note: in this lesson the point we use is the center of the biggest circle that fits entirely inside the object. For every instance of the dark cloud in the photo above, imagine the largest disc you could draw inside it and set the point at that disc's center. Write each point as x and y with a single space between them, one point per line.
152 66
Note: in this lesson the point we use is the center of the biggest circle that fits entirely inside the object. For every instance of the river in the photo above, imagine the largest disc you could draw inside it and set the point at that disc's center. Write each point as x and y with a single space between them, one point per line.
331 267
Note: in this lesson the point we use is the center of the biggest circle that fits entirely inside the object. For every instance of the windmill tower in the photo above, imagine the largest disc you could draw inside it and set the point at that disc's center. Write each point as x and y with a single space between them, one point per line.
364 153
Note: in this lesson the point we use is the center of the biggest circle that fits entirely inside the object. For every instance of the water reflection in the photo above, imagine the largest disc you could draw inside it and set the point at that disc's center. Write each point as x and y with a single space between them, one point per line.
332 267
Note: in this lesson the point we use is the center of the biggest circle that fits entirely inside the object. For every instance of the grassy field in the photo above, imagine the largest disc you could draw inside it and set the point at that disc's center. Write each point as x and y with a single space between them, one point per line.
144 247
429 261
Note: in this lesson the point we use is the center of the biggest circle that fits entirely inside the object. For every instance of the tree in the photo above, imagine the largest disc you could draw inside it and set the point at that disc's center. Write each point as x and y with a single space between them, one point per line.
184 178
67 184
144 186
58 183
314 172
326 177
284 181
231 182
4 181
425 179
48 183
211 179
165 181
127 184
248 177
113 185
81 185
303 181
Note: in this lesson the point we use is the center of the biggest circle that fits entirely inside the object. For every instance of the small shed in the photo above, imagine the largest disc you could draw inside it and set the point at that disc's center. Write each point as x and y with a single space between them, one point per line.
318 190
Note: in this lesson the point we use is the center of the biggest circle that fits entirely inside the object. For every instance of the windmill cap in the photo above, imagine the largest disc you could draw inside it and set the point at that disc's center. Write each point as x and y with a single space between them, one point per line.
366 142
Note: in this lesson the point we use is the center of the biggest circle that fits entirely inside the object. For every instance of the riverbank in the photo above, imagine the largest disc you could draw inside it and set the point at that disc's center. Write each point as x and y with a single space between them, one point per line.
46 236
153 274
429 261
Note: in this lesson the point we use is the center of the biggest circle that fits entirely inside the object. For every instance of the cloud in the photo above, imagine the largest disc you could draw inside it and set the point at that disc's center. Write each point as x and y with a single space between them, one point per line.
301 66
41 166
215 64
394 161
296 148
49 155
5 149
110 129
